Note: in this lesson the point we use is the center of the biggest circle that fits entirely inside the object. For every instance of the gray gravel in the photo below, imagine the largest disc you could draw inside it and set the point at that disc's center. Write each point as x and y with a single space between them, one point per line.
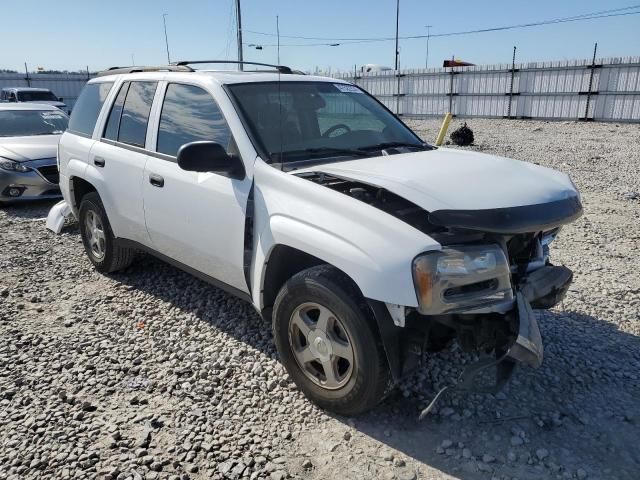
151 373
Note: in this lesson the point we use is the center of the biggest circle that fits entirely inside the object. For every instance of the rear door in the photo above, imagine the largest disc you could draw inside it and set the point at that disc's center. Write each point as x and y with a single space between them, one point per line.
120 157
195 218
76 143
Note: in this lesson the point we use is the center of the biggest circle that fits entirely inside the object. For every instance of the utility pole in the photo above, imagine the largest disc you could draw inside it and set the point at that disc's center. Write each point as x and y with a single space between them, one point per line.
239 30
397 26
278 31
593 67
166 38
426 60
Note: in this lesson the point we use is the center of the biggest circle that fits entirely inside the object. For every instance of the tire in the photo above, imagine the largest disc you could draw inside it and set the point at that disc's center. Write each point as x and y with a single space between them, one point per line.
111 256
354 386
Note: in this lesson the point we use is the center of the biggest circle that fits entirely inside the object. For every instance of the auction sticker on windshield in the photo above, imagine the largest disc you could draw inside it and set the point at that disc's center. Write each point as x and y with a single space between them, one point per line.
56 115
347 88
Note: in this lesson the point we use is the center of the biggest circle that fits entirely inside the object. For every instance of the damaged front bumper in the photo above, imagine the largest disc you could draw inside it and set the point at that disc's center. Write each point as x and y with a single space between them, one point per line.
543 288
513 337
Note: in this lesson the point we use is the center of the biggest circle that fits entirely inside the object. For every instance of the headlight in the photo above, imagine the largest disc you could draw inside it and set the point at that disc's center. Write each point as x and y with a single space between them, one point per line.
462 278
12 166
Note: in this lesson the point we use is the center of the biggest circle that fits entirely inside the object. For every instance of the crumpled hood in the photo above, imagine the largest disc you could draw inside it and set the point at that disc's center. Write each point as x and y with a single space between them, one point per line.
22 149
449 179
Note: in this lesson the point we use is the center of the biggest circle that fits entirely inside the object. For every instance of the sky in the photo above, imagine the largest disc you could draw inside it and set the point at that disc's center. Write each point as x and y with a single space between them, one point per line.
72 34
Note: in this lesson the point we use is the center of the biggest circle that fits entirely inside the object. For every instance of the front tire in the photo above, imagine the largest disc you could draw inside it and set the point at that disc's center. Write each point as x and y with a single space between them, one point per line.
97 237
328 343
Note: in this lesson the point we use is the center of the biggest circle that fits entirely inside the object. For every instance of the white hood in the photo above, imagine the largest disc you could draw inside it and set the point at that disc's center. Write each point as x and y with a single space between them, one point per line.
449 179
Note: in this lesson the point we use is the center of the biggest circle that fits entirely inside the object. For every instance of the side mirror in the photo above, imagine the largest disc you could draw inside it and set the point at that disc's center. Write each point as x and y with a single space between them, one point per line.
205 156
60 99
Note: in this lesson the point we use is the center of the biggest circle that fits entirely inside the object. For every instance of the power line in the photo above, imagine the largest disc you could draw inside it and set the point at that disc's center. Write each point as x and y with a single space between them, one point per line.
346 41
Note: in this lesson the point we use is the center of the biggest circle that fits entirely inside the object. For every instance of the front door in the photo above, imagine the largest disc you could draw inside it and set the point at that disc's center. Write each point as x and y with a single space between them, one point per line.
195 218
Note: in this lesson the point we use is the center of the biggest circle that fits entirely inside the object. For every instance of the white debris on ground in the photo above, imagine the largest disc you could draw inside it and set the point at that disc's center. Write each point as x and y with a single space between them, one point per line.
152 374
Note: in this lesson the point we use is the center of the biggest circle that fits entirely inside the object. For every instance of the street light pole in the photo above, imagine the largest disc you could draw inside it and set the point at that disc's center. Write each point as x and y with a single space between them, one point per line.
426 61
166 38
240 59
278 31
397 26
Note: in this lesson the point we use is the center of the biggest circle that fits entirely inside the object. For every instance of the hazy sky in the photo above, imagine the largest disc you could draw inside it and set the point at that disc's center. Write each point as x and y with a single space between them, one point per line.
69 34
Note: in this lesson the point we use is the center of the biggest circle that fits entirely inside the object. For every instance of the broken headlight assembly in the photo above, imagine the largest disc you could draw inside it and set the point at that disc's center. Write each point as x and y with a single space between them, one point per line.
462 278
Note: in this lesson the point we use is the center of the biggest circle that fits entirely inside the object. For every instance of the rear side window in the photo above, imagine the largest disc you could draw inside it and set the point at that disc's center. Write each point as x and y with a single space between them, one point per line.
113 123
87 108
135 113
189 114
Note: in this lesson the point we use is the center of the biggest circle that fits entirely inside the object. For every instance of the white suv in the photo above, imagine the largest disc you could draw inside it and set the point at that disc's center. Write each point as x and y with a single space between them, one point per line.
361 244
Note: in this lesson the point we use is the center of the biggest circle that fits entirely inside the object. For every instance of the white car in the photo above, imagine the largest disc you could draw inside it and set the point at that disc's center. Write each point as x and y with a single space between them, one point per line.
305 196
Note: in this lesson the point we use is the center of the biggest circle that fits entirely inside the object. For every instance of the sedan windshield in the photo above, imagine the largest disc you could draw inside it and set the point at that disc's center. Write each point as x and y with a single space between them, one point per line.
295 121
23 123
36 96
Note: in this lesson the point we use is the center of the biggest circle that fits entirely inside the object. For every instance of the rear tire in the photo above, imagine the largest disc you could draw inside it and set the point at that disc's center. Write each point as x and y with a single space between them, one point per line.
101 246
328 343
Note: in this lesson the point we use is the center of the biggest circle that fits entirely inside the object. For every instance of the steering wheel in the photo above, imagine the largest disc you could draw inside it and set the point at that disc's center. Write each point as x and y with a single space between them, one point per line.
336 127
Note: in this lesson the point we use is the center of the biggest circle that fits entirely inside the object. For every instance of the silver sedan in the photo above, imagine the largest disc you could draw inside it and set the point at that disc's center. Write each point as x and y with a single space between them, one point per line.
29 135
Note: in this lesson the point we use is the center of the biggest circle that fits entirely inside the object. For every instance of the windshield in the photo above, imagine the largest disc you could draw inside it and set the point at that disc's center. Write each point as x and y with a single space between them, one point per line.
301 120
22 123
35 96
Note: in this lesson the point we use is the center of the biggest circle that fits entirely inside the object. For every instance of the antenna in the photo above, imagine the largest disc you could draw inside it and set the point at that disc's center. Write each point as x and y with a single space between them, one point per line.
166 38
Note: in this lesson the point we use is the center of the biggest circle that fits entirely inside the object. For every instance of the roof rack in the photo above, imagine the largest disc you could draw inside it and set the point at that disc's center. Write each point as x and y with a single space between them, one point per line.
279 68
161 68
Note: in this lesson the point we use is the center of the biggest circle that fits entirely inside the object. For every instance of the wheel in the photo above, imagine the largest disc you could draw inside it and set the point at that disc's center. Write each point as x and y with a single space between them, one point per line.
101 246
328 343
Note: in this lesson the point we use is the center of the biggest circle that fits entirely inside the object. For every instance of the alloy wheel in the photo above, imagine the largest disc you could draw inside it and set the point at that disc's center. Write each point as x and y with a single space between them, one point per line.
321 346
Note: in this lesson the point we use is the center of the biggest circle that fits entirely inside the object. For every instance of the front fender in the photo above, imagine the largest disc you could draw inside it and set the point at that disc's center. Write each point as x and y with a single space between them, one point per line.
372 247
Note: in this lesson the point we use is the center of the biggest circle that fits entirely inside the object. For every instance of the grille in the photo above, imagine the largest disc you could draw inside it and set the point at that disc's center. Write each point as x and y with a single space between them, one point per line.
50 172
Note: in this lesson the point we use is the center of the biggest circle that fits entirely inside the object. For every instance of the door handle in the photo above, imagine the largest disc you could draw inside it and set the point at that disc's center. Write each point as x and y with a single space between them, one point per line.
98 161
156 180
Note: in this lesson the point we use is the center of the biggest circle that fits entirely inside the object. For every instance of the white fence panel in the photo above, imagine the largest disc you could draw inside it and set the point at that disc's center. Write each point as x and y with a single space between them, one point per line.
548 90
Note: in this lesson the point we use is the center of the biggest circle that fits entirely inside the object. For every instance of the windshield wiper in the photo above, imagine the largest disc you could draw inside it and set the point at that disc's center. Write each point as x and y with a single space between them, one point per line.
320 151
383 145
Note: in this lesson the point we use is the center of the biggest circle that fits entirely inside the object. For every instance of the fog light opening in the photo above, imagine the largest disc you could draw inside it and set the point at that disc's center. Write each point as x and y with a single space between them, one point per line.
13 191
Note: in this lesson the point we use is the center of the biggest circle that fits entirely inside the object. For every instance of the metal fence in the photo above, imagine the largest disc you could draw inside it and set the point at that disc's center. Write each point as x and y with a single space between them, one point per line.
65 85
606 89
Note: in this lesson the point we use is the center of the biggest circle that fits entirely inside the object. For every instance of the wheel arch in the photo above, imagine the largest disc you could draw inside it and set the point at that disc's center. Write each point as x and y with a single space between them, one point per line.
282 263
79 188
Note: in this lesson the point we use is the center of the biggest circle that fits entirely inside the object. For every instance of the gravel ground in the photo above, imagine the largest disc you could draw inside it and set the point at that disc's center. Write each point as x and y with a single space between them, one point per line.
151 373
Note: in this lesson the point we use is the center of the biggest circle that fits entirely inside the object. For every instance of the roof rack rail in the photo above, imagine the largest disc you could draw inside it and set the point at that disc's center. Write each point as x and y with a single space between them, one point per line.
133 69
279 68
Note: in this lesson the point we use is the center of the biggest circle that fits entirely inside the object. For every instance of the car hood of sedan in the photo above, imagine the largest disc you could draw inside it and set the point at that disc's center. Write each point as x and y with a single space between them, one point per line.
22 149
